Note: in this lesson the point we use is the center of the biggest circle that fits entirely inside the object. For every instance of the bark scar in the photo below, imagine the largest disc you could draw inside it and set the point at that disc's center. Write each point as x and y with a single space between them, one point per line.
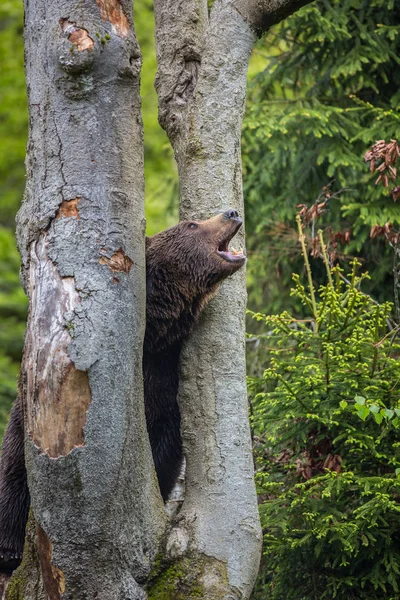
53 577
77 35
68 208
57 394
119 261
180 94
112 11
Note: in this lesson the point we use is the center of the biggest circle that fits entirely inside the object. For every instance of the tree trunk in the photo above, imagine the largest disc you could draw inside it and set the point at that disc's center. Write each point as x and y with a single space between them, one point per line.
98 513
201 83
218 525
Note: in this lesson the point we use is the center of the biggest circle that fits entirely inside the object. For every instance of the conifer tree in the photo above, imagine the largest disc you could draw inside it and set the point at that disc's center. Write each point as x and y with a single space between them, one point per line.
329 91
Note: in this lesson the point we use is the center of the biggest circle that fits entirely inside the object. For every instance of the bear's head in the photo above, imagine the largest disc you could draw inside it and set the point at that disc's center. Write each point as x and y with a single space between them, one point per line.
184 265
197 252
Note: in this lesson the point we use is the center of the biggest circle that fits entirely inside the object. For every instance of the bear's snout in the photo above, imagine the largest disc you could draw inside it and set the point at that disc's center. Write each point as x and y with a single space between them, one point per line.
233 214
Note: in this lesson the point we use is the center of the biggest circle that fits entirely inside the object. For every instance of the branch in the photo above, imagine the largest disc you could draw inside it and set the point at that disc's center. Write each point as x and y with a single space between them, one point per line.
261 15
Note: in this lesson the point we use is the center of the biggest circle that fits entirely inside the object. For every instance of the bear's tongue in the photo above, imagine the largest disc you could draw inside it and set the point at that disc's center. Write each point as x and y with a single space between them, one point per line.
230 255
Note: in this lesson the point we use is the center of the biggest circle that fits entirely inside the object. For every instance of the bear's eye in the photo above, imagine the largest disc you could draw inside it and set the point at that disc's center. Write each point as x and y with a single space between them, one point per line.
193 226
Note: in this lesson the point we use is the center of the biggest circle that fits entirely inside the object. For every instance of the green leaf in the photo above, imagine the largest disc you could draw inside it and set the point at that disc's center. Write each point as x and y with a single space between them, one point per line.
363 412
360 400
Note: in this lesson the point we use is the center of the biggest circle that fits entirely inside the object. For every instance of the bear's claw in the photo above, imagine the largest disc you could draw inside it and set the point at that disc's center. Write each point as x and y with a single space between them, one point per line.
9 560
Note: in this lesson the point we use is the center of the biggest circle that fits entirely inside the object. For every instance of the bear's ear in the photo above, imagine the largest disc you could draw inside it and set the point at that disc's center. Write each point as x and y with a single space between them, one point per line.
148 242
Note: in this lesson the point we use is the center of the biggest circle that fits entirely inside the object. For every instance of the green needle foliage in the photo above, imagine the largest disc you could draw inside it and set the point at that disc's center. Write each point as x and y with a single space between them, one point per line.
13 110
326 421
329 89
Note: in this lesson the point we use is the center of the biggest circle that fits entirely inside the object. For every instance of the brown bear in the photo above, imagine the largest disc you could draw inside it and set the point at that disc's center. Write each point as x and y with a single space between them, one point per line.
184 266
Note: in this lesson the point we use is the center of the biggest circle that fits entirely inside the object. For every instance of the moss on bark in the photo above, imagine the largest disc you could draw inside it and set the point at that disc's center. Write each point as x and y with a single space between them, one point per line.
189 577
21 582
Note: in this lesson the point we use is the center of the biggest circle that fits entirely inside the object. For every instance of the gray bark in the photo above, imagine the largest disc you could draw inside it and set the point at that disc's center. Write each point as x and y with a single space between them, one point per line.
201 83
98 518
219 517
219 460
263 14
81 236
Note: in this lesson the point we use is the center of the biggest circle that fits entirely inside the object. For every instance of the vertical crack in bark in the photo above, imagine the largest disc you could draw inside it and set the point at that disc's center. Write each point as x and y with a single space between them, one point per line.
57 394
53 578
112 11
60 148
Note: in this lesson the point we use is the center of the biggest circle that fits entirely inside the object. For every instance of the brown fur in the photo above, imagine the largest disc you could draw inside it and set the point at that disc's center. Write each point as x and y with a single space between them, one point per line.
183 271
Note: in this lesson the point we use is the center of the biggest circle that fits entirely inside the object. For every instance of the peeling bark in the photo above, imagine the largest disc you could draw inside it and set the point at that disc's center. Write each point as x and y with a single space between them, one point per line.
79 37
113 12
53 578
69 208
57 394
94 496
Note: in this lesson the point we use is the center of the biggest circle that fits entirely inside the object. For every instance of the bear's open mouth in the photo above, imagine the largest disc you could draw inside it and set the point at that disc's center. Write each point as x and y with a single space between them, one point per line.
231 255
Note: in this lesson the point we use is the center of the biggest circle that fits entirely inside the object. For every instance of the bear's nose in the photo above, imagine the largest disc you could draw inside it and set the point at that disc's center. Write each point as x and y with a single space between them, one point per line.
231 214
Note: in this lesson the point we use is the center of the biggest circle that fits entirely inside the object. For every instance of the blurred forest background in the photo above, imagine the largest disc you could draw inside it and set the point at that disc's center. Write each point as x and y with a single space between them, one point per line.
324 373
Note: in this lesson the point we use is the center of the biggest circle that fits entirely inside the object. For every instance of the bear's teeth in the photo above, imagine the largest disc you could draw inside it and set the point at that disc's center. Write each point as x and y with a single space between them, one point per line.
236 252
